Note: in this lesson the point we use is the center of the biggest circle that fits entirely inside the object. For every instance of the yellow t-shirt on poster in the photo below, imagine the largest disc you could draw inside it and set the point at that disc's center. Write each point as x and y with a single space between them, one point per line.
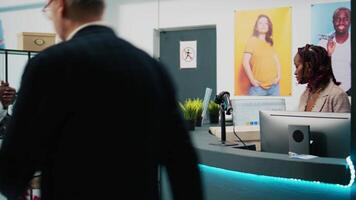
263 64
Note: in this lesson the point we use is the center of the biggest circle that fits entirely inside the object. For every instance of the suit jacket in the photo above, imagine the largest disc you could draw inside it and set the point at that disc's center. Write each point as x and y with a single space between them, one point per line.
97 117
331 99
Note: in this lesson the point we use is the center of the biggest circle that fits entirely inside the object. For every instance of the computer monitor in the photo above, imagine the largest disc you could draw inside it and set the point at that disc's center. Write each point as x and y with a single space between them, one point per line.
330 133
245 111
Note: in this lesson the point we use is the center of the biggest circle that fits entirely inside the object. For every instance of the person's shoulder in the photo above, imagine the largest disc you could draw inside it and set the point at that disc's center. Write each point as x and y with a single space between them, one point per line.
51 54
251 44
50 62
305 93
337 91
77 48
341 99
132 52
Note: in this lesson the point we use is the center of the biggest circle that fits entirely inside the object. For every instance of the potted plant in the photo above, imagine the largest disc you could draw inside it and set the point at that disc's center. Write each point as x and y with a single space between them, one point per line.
189 111
213 109
199 107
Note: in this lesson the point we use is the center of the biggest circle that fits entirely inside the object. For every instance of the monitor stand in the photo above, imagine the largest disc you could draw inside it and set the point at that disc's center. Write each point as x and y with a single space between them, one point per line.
236 145
226 143
246 146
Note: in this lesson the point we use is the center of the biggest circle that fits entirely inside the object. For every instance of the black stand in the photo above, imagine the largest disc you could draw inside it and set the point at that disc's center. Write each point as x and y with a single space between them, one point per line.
223 131
223 136
222 125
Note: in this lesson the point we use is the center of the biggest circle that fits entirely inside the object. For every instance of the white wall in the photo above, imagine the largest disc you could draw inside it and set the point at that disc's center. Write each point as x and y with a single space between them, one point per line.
137 27
26 16
8 3
136 23
135 20
20 16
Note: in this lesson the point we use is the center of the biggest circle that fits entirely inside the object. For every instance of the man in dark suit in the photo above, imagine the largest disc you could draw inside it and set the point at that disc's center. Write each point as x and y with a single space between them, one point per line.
97 117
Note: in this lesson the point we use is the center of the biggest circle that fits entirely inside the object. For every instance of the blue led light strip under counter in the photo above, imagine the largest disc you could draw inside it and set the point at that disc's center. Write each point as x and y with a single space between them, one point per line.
262 178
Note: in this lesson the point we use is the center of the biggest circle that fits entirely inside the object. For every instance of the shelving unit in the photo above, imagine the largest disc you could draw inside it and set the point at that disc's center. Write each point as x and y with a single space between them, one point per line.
8 52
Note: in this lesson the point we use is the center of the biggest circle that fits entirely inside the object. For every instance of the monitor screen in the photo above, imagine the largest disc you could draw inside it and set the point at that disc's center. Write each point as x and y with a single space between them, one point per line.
330 133
245 111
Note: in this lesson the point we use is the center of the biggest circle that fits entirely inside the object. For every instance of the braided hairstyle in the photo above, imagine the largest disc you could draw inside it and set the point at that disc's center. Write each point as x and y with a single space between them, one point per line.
317 70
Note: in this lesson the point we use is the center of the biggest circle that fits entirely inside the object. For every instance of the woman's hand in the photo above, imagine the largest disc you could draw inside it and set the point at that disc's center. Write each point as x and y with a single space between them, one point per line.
331 47
276 80
255 83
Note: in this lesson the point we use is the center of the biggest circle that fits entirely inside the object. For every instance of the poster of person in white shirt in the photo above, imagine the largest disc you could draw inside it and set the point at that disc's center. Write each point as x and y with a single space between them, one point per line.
331 29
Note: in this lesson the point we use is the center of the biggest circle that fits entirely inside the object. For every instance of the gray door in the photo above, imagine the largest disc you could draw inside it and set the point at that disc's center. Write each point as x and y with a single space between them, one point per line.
190 83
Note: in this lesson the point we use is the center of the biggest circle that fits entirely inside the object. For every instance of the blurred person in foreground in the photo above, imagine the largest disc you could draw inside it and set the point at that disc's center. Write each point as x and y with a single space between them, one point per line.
75 118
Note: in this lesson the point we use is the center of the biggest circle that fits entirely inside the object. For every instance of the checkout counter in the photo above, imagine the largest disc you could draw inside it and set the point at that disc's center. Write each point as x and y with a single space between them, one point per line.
319 169
232 173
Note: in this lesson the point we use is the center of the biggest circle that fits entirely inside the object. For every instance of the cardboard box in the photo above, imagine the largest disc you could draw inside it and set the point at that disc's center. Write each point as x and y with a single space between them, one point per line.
31 41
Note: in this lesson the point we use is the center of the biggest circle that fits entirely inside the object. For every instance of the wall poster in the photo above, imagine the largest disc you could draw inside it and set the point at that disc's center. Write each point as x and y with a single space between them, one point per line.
263 52
331 29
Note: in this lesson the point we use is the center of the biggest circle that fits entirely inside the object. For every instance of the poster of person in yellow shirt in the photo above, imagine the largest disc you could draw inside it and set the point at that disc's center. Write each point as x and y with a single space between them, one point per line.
263 52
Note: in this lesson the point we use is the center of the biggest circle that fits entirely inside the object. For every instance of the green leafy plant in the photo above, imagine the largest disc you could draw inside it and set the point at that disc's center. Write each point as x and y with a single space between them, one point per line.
213 109
199 106
189 109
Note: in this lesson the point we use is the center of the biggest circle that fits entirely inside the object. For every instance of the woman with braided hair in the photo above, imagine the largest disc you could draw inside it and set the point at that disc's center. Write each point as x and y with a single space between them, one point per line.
313 67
